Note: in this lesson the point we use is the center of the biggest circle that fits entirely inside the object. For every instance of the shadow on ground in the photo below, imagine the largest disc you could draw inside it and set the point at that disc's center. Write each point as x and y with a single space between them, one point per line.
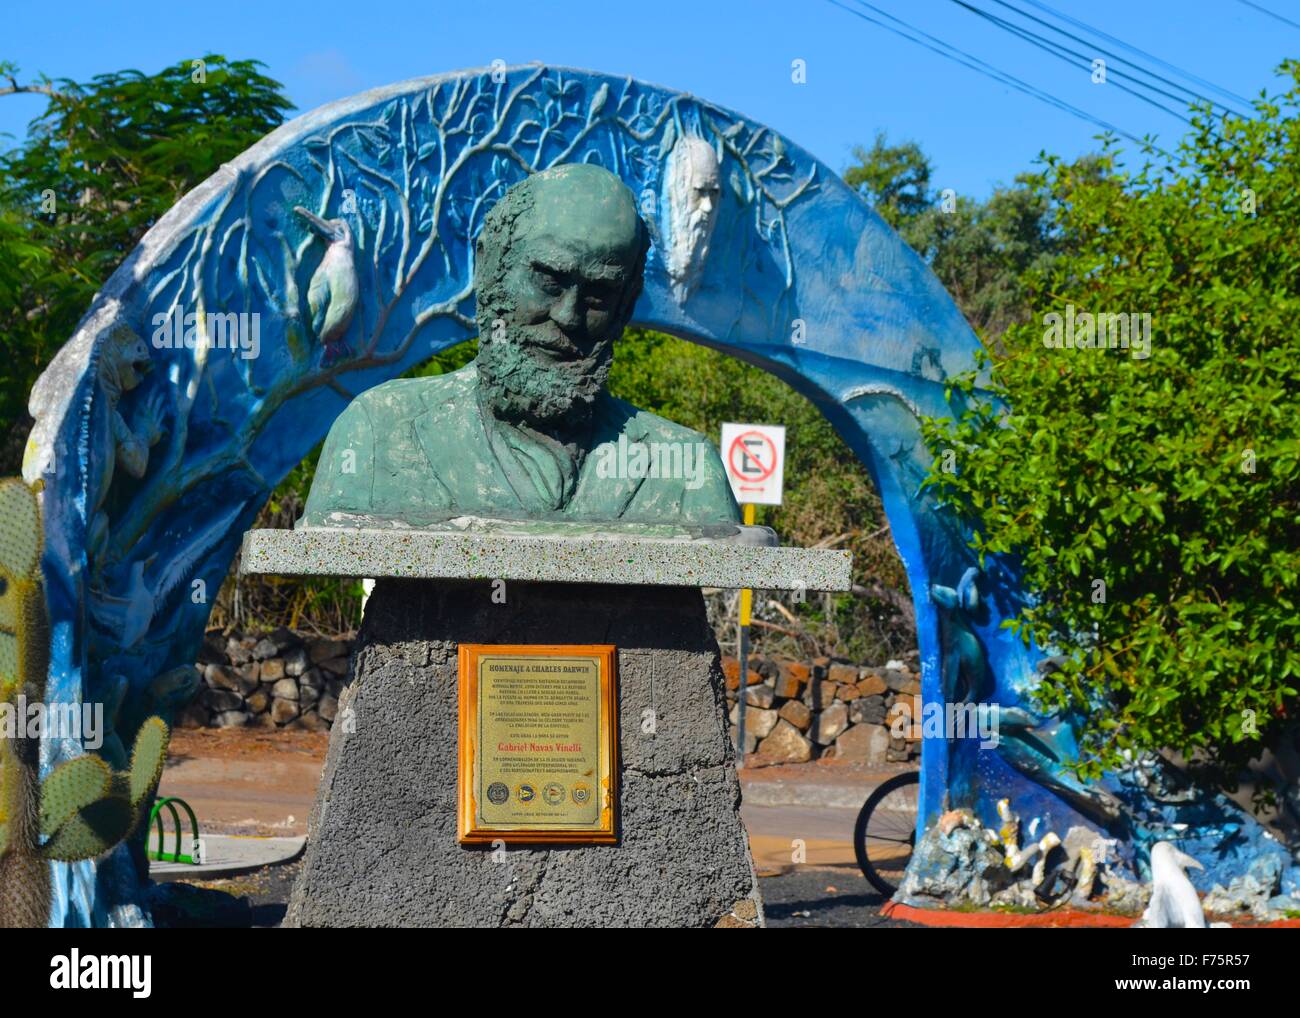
823 896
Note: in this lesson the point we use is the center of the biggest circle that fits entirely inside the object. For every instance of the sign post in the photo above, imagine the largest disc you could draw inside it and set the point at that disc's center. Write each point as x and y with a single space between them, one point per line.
755 458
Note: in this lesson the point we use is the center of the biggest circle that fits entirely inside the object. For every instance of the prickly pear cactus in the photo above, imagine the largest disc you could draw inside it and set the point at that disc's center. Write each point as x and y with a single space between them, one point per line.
83 807
147 759
24 649
87 808
70 788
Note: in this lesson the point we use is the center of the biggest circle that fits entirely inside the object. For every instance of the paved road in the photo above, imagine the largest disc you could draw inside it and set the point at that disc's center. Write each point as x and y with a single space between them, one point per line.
780 836
827 889
254 782
823 896
806 896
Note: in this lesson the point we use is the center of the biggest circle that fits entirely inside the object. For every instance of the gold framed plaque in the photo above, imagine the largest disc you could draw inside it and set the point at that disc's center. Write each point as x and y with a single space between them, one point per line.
538 760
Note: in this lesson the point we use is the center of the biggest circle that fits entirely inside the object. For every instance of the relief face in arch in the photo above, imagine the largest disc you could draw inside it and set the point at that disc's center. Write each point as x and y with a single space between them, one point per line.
693 195
528 430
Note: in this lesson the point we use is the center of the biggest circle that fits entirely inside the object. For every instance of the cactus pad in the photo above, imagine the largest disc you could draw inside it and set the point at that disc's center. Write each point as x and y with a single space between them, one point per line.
20 529
70 787
147 759
92 831
23 635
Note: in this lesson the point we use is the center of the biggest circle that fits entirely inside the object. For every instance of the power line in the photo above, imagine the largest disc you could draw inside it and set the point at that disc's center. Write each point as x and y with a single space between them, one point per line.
1114 56
974 63
1060 52
1134 49
1271 14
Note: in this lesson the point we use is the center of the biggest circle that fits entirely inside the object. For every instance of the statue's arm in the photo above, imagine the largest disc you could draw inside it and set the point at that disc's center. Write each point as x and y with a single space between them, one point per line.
345 471
708 499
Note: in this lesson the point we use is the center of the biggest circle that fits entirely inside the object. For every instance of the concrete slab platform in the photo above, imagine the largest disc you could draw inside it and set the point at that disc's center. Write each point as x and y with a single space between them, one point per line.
573 557
226 855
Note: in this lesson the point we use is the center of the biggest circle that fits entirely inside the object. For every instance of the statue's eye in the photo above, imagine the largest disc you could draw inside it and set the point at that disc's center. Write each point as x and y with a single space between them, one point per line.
548 279
601 299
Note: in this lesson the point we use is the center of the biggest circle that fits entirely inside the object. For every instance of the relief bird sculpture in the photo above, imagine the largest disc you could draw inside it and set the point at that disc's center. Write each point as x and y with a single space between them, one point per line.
334 289
1174 902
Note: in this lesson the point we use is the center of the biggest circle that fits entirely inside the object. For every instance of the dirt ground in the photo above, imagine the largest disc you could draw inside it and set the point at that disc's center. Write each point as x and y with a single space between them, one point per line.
263 781
256 781
246 780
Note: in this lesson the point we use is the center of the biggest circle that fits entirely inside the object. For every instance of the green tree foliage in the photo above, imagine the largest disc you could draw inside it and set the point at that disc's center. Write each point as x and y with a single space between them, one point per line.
894 179
21 260
99 167
982 251
829 498
1174 480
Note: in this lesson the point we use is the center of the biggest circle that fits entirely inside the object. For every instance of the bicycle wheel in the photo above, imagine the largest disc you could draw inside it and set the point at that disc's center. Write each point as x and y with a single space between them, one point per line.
885 834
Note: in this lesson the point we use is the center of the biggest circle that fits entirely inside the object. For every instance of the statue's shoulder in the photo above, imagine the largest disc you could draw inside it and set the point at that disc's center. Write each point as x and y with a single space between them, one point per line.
700 494
642 425
409 397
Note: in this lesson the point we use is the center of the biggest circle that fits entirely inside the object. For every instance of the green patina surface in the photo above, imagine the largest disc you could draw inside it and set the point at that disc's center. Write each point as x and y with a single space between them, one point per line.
528 431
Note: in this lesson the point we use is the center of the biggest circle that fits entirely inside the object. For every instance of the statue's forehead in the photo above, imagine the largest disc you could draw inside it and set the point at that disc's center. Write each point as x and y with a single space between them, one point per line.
704 169
586 219
693 160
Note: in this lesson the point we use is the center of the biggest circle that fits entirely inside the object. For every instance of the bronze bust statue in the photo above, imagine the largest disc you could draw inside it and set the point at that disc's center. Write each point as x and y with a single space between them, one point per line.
528 430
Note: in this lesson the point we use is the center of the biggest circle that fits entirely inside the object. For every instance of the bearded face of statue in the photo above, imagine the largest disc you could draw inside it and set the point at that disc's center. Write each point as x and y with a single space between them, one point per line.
693 195
558 271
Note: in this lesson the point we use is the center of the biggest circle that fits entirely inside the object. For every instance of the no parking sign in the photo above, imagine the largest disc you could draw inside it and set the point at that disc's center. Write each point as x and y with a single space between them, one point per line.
754 455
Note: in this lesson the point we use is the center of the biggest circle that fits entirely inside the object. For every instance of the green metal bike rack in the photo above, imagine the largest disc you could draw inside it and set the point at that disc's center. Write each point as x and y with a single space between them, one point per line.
155 818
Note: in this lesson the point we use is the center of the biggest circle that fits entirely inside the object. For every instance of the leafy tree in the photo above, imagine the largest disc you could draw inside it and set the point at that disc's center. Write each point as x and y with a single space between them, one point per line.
1154 502
829 498
895 179
100 166
981 251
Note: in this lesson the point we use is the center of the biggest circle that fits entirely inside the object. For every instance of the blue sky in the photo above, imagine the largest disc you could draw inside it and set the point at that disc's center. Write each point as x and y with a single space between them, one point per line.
860 79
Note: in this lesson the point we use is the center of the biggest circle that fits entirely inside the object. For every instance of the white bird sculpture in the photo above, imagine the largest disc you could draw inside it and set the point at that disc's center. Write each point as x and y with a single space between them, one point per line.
1174 902
334 290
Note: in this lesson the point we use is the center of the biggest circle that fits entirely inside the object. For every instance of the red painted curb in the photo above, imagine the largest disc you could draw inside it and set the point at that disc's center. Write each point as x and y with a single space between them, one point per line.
1067 917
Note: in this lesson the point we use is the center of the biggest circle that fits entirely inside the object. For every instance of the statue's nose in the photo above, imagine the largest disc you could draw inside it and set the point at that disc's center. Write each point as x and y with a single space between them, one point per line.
565 312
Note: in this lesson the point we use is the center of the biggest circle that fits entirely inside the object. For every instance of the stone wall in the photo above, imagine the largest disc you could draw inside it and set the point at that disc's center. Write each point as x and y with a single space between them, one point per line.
280 680
797 711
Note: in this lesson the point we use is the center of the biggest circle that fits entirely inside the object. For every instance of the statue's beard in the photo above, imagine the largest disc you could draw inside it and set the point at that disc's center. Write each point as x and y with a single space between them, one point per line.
699 231
525 384
692 232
